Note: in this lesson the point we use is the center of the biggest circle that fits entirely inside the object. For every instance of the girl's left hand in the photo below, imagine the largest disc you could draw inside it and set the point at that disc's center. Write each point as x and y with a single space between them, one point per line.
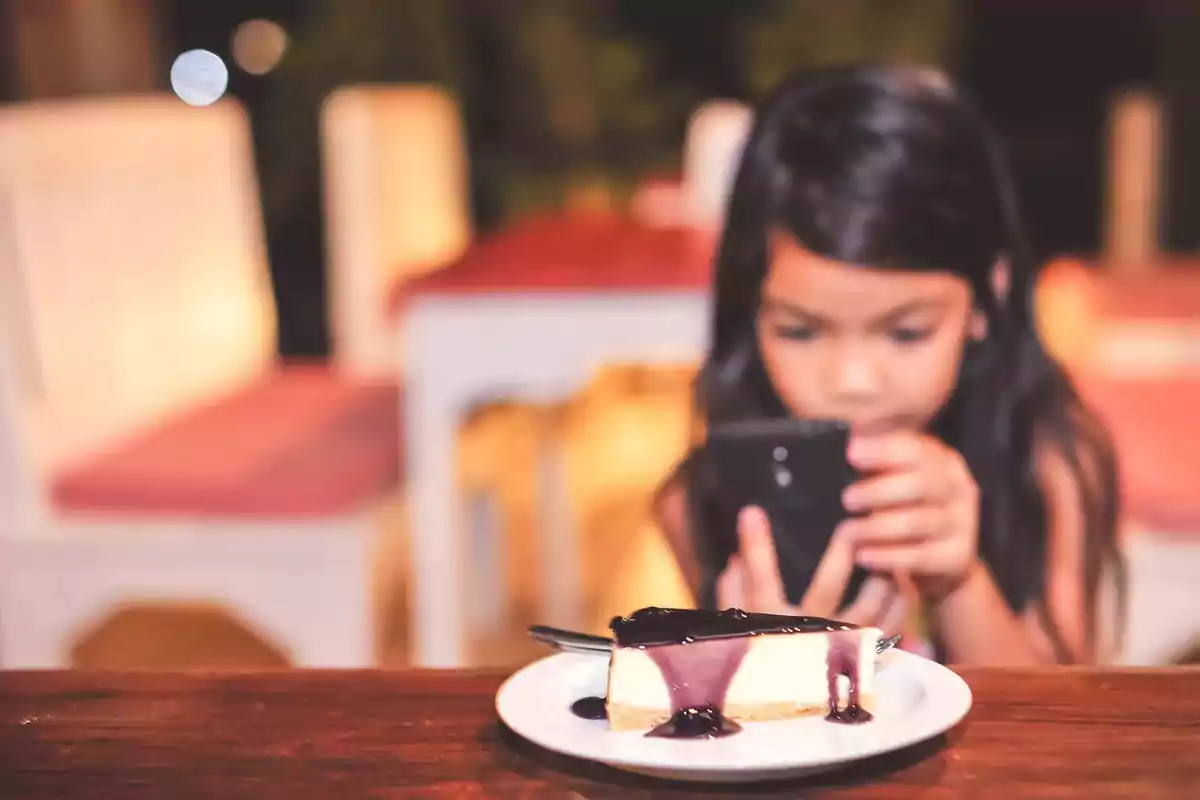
921 507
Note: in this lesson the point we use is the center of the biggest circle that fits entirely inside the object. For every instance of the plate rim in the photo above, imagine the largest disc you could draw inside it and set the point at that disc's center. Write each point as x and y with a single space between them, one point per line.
956 695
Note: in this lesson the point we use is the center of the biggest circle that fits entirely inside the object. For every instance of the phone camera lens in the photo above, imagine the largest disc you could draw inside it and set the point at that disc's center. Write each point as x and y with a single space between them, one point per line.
780 454
782 477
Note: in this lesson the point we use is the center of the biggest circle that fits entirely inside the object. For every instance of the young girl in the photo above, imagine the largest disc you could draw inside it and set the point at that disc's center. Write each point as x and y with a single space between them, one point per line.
873 269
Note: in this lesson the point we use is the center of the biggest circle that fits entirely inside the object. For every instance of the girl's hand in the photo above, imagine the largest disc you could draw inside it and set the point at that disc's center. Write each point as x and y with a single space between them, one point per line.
921 509
752 581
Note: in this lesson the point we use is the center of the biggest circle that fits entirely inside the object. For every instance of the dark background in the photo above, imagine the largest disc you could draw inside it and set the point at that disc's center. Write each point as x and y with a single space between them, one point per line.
1044 70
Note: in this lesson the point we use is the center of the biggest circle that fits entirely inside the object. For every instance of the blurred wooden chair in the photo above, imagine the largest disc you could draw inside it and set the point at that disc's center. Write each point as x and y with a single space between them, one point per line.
712 150
1131 342
158 452
396 207
499 455
616 441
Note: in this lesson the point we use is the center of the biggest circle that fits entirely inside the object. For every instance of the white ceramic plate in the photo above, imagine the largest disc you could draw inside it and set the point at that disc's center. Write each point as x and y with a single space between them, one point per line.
916 699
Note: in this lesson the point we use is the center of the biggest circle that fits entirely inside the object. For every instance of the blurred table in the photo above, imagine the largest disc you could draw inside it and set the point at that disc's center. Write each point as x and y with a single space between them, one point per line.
527 313
1053 732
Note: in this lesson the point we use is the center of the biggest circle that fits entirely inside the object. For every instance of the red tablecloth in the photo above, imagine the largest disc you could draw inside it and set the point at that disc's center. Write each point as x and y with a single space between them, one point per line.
573 254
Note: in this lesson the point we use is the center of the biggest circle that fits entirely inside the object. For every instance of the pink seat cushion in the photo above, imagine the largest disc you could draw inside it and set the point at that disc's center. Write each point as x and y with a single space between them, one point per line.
1156 430
301 442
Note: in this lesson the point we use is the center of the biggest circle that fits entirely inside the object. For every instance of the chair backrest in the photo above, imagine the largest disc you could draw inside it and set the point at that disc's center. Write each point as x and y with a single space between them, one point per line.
712 150
18 487
135 278
1135 324
396 207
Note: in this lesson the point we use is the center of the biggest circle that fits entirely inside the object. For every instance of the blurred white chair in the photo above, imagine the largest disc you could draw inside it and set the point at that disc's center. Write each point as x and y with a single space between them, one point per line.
712 151
396 207
156 452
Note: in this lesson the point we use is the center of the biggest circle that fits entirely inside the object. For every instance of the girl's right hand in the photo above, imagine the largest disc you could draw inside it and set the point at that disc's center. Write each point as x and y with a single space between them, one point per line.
752 581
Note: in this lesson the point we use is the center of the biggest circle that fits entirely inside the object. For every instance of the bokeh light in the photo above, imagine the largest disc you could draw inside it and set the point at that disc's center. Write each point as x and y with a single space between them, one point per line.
199 77
258 45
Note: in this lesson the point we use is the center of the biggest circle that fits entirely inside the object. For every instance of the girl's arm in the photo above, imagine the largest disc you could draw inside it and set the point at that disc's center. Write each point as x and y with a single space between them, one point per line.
1065 602
976 625
1004 637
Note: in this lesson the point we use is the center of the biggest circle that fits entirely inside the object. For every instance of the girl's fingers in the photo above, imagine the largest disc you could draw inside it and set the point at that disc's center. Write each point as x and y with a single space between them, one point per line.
896 525
894 616
824 595
763 583
731 588
925 558
886 452
908 487
877 594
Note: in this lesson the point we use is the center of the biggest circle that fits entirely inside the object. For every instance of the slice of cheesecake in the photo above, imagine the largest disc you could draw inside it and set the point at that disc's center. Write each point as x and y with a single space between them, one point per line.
686 673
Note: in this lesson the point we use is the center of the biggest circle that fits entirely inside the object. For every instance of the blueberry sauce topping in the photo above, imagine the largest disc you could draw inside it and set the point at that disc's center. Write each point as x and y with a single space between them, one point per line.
590 708
696 723
660 626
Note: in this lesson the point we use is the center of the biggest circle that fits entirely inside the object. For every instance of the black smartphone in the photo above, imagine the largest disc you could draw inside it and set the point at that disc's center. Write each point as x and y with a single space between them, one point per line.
796 471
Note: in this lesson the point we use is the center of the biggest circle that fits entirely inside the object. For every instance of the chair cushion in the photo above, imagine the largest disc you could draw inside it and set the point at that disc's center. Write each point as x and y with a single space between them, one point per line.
300 442
1156 432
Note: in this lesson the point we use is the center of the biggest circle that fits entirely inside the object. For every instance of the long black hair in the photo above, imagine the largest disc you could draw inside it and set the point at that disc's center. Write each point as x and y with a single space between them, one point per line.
893 167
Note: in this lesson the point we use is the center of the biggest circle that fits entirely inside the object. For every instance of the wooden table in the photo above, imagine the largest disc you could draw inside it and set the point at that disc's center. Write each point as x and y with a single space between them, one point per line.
1032 733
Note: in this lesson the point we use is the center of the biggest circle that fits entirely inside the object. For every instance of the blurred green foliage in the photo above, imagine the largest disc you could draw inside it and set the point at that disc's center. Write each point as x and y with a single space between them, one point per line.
584 111
346 42
805 34
561 94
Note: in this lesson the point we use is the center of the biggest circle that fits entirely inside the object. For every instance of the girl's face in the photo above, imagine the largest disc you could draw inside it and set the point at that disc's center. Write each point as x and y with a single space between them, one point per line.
877 348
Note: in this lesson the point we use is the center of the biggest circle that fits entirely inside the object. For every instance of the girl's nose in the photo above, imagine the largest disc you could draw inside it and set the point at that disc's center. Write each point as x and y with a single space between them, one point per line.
854 375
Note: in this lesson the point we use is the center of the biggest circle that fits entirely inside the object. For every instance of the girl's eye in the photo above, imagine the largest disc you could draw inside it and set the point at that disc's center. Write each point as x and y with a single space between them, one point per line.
910 335
796 333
